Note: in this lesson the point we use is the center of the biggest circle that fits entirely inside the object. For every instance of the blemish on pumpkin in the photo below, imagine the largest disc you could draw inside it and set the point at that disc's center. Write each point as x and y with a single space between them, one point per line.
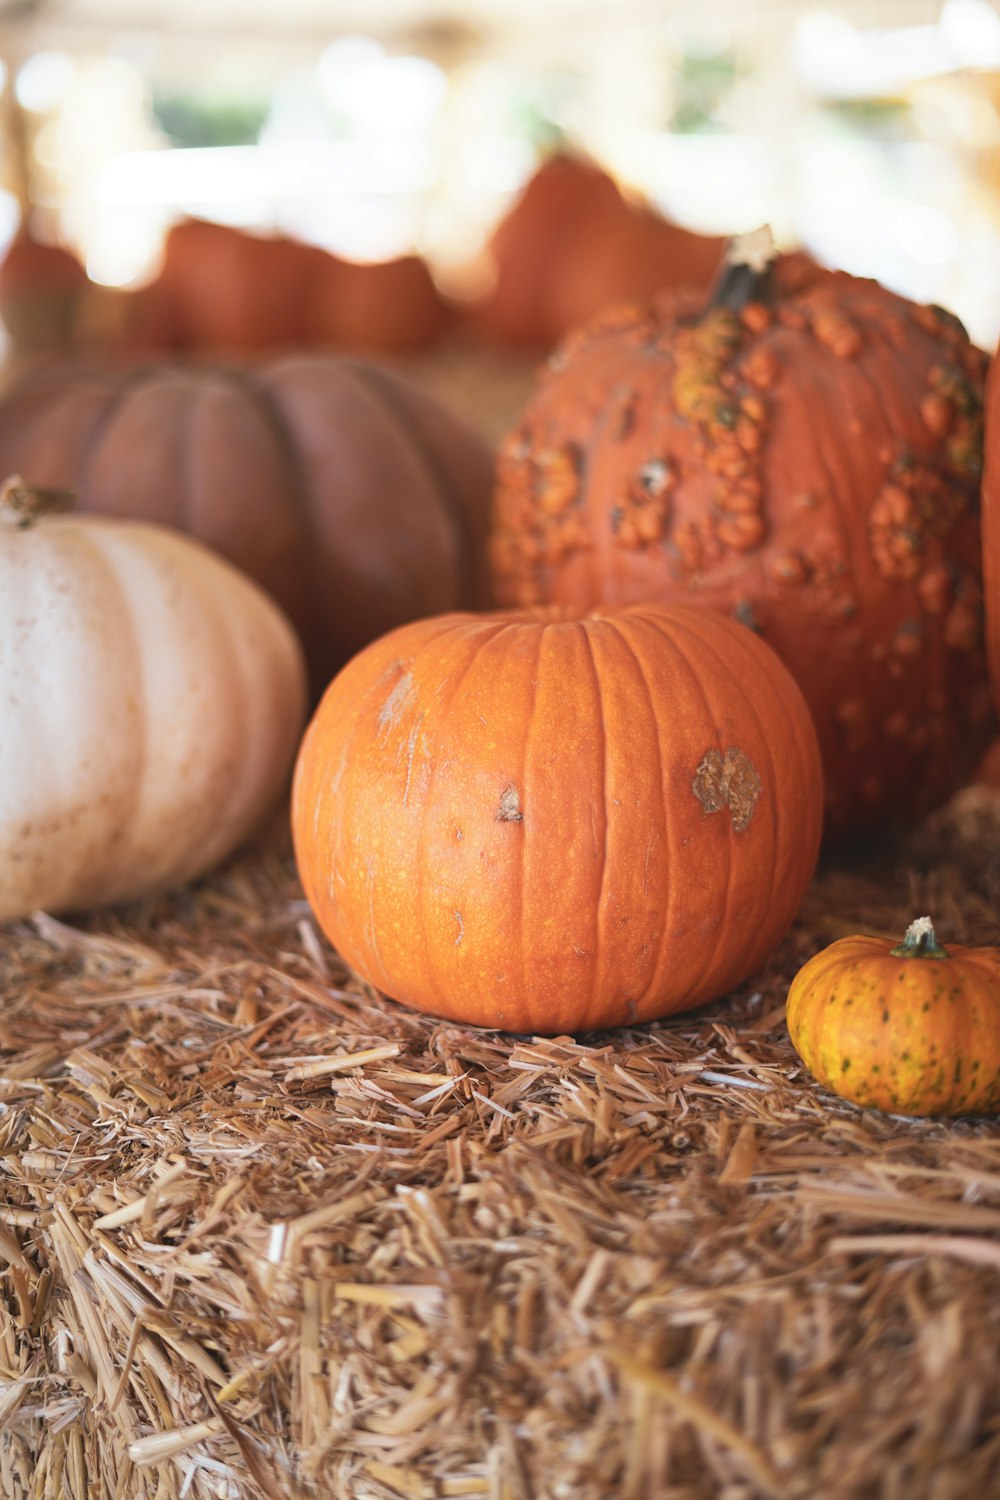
509 810
461 928
631 1011
744 611
396 703
728 781
411 749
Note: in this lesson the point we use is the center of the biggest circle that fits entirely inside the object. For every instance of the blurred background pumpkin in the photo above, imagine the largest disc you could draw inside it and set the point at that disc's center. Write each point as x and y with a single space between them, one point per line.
524 162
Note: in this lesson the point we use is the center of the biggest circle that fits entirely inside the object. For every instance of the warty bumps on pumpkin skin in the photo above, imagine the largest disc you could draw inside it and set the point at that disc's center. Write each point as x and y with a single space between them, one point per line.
807 459
548 822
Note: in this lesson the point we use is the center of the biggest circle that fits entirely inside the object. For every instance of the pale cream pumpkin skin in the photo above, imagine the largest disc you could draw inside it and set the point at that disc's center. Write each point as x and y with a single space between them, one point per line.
549 824
151 700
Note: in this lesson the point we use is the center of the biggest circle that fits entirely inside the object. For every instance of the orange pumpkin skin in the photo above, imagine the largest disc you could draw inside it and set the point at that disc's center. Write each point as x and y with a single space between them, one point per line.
566 192
549 824
354 498
628 255
570 243
387 307
991 527
912 1035
42 287
810 464
222 288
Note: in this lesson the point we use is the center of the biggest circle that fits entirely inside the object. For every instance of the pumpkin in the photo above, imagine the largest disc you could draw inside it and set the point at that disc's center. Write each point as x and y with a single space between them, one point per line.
627 255
991 527
571 242
42 288
357 501
153 701
386 307
223 288
549 822
806 459
913 1028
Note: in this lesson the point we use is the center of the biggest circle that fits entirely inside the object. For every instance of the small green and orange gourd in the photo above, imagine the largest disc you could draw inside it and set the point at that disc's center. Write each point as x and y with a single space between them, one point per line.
913 1029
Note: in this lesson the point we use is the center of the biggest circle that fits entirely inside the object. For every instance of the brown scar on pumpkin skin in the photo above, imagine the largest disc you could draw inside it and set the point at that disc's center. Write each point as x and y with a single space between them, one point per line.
728 781
509 810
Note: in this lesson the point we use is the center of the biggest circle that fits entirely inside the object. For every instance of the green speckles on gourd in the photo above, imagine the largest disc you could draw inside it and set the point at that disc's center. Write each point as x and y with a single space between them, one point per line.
926 1046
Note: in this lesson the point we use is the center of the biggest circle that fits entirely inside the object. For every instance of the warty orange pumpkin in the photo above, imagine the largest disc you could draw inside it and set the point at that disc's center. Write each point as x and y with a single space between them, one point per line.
806 460
548 822
912 1028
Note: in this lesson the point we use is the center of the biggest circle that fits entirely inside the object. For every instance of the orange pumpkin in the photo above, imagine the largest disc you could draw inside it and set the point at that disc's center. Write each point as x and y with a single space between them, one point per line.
42 288
548 823
390 307
627 255
222 288
570 243
991 528
913 1029
806 460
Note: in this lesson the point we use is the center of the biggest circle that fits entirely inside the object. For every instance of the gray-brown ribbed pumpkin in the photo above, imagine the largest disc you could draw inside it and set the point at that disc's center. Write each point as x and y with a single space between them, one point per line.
355 499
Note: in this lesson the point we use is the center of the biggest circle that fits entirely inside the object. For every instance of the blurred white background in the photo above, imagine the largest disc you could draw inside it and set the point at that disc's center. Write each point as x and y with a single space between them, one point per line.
870 133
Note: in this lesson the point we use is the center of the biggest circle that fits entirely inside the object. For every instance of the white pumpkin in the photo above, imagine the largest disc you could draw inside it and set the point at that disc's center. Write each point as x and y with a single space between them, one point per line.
151 701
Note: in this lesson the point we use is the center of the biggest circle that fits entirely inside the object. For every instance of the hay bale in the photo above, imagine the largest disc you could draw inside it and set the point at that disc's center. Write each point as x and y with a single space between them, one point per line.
267 1234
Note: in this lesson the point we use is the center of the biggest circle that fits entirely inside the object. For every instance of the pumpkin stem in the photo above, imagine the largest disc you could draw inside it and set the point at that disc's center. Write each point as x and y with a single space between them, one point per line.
919 942
22 504
747 271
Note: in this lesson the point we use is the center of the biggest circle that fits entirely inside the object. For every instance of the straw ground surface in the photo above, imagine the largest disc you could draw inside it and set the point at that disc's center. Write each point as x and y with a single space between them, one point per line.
268 1235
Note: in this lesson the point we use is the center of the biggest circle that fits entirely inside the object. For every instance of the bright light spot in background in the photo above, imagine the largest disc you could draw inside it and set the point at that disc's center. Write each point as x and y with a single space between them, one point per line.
43 80
10 218
123 249
927 234
380 95
346 57
823 45
699 34
970 30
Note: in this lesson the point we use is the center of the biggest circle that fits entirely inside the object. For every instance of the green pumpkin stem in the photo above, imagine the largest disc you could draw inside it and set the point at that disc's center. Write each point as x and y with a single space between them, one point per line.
22 504
747 271
919 942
